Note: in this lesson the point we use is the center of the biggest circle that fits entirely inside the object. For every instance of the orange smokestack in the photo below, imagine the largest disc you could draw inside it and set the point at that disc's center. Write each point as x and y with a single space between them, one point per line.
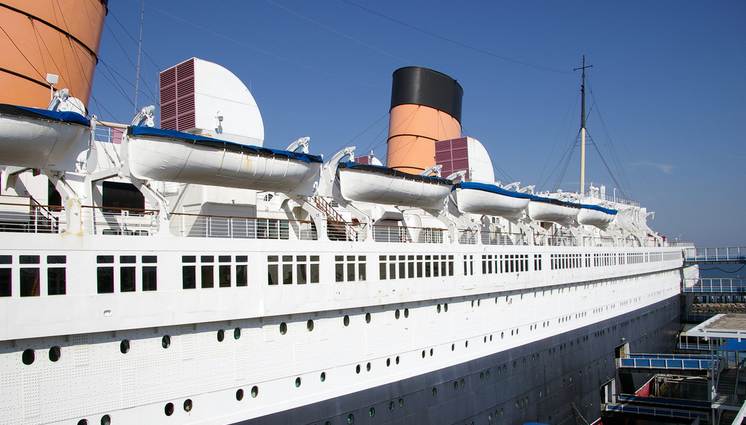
425 108
43 37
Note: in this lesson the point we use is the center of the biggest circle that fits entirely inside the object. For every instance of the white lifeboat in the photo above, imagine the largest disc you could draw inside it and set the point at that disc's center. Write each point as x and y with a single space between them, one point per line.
594 215
40 138
174 156
383 185
490 199
554 210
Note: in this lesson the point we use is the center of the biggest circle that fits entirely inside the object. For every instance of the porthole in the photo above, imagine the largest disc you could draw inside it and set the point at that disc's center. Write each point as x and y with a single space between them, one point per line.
472 303
445 307
367 317
350 419
401 402
388 362
124 346
490 338
83 422
397 359
357 369
406 313
431 352
55 353
283 328
367 367
438 308
188 405
479 302
346 320
396 314
466 344
461 382
254 391
236 333
372 412
221 335
166 341
239 394
484 339
453 347
106 420
28 356
322 377
502 334
423 354
297 382
169 409
309 325
435 391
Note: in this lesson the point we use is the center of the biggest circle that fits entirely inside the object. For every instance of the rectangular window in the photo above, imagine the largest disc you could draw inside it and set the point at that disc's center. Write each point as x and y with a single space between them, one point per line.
301 269
350 271
410 266
30 277
188 277
362 266
273 273
419 266
6 282
127 259
339 268
150 259
105 274
314 269
224 275
126 278
207 276
29 259
242 275
287 270
149 278
427 266
382 267
56 276
450 265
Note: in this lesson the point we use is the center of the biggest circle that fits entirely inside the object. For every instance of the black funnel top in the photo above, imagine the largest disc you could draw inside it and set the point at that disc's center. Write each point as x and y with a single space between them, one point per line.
423 86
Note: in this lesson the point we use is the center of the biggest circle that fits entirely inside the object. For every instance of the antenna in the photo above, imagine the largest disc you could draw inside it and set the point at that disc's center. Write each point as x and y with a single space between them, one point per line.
139 54
582 69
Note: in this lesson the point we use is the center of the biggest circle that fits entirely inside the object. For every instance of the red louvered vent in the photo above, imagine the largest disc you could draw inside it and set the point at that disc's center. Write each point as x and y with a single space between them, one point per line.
177 97
453 156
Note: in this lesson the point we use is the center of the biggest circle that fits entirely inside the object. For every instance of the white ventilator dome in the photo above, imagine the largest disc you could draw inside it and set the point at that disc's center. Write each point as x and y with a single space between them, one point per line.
480 164
205 98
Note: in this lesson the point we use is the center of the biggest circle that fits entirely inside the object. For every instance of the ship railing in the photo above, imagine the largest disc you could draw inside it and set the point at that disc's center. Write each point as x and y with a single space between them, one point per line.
733 253
120 221
345 231
733 285
469 236
502 238
407 234
236 227
21 214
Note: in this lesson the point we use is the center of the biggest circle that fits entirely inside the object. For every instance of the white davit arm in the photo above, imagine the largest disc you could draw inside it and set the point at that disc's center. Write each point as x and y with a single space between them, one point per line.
145 117
301 143
434 169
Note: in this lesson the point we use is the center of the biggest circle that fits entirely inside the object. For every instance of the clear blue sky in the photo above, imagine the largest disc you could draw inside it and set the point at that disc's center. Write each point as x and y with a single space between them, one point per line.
669 83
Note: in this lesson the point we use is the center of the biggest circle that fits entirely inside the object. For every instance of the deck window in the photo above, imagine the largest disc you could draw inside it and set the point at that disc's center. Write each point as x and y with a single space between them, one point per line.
127 279
188 272
56 277
105 274
287 269
149 278
6 282
314 269
273 272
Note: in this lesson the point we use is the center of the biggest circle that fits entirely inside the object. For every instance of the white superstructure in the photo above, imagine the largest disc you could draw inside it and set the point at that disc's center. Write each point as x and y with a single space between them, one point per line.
181 280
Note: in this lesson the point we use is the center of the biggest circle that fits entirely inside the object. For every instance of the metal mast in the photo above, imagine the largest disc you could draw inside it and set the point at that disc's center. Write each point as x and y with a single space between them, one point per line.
582 69
139 55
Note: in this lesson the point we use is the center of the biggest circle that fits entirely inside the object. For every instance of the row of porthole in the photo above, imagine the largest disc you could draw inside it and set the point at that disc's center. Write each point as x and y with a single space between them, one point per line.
254 393
168 409
105 420
29 355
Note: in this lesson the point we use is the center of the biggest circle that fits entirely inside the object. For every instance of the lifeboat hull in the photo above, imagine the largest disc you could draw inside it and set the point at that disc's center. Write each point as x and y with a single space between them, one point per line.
165 155
486 199
368 184
596 217
556 212
38 138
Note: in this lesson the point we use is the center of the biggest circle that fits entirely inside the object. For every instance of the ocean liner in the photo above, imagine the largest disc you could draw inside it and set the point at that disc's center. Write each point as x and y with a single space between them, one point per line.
188 274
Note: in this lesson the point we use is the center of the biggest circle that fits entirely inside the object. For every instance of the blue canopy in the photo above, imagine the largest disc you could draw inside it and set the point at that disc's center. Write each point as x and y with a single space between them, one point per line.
491 188
599 208
217 143
25 111
392 172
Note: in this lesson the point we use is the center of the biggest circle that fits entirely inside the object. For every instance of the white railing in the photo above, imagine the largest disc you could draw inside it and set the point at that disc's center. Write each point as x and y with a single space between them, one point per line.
26 216
117 221
500 238
716 285
212 226
724 254
401 234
